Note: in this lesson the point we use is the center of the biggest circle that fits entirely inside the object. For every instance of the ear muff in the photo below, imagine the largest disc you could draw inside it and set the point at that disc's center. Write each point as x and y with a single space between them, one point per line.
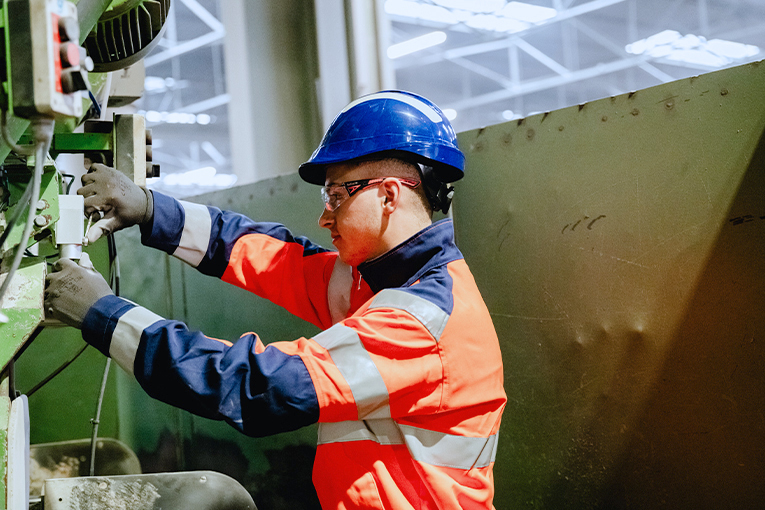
439 194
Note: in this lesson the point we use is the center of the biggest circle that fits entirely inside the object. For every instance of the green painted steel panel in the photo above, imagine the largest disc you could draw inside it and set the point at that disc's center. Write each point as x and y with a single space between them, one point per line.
619 245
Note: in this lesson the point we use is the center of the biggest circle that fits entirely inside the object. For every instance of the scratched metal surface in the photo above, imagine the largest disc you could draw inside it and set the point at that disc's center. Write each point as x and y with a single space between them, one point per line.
620 247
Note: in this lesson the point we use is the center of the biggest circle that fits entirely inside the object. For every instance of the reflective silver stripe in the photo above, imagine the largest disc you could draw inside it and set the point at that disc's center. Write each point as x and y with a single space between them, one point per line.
428 446
383 431
423 107
358 369
431 316
440 449
127 336
196 234
339 291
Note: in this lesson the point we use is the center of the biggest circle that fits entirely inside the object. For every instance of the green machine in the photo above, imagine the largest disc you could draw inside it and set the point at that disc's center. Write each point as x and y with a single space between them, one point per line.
56 56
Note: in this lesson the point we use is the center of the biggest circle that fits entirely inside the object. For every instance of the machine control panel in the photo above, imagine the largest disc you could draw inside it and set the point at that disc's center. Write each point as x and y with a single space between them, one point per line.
48 69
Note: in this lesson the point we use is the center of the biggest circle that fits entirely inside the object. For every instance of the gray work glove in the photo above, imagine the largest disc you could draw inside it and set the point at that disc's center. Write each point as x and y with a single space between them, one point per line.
72 290
120 202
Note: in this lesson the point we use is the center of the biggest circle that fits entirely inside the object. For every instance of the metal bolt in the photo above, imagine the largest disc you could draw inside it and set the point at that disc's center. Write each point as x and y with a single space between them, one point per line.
41 204
41 221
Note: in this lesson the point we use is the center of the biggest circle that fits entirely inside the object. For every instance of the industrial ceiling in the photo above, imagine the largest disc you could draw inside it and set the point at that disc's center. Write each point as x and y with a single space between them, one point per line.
495 60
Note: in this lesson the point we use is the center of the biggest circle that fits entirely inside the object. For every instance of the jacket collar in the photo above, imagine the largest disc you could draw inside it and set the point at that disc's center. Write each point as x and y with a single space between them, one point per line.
430 248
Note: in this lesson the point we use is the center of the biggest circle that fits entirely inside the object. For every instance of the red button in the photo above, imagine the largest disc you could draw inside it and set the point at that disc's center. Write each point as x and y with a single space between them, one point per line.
70 55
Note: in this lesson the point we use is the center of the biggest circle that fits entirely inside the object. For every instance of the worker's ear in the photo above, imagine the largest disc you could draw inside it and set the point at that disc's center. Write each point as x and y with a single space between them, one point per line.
391 194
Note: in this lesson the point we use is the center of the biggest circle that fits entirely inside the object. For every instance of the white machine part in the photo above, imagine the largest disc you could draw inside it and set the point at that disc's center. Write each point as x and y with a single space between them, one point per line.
70 230
18 454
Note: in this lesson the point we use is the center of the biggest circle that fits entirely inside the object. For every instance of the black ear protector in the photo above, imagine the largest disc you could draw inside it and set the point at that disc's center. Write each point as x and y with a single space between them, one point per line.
439 194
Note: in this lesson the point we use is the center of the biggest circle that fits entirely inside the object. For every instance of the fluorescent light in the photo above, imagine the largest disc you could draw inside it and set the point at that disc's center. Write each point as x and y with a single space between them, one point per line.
731 49
486 6
176 117
691 49
510 115
493 23
416 44
487 15
157 84
205 176
533 14
427 12
450 113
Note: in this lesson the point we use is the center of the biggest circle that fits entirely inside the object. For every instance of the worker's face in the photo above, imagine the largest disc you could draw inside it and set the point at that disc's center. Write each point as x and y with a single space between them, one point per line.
356 225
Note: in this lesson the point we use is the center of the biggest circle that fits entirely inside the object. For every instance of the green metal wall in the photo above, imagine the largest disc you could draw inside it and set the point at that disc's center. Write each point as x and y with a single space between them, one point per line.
620 246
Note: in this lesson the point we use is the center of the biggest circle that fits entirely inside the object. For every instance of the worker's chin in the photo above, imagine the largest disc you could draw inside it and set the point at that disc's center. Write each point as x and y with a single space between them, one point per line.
349 258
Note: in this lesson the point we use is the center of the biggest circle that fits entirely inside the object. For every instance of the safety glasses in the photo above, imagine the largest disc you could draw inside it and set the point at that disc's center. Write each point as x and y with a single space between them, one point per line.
335 194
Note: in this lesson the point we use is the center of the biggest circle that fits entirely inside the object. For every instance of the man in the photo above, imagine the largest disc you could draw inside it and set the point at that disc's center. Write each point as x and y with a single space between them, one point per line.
405 379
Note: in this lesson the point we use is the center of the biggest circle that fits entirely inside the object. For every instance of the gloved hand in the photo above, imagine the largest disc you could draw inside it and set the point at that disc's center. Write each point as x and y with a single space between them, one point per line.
72 289
121 202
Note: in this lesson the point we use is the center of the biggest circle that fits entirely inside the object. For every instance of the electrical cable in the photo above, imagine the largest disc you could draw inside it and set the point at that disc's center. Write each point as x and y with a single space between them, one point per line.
55 372
69 185
27 150
114 279
96 106
16 213
95 420
43 133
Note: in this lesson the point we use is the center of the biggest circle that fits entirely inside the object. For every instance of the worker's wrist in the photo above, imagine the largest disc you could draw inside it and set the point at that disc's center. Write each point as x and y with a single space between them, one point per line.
101 319
148 215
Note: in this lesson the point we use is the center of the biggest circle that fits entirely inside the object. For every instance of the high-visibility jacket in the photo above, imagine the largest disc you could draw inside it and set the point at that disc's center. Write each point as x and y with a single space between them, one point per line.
405 379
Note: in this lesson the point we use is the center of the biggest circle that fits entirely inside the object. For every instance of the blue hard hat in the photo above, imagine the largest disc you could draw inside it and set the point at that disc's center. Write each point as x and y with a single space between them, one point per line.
401 123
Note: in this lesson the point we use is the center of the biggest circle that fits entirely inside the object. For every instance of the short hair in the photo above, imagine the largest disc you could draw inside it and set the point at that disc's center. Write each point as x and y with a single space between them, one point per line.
396 167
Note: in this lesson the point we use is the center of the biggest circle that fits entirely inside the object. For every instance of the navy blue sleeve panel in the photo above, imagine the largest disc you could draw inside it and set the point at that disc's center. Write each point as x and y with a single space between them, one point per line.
184 230
164 232
228 228
258 393
101 319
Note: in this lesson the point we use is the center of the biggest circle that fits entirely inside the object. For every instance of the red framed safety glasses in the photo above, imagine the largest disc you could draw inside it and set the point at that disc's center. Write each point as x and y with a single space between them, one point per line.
334 195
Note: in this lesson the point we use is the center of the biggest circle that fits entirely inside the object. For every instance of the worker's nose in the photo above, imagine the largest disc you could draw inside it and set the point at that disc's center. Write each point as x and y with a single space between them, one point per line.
326 219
